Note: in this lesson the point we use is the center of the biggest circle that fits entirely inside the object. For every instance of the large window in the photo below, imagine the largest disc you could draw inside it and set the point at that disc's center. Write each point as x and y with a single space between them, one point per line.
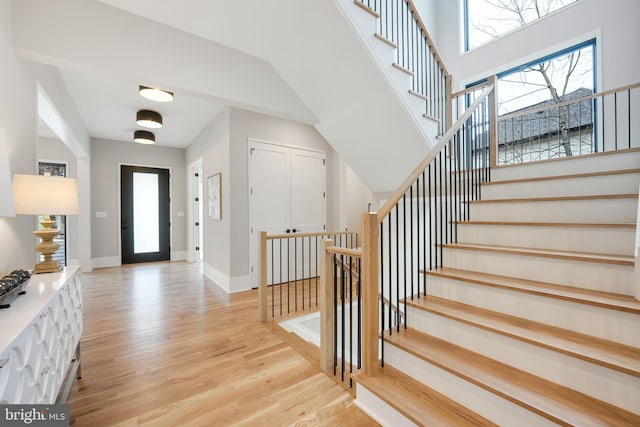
551 78
487 19
542 108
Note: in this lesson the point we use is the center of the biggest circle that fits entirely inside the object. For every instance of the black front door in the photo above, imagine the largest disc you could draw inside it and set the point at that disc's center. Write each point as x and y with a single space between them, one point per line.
144 216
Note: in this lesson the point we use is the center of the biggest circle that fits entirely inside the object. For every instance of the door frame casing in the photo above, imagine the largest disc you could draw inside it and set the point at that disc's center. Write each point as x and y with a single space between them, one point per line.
119 179
251 234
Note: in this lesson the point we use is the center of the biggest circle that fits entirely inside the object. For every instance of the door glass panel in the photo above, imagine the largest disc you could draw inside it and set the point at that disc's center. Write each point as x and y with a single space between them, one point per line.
146 223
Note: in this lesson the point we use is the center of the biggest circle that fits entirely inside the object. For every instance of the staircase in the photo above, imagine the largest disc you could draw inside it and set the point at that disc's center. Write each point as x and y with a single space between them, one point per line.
531 320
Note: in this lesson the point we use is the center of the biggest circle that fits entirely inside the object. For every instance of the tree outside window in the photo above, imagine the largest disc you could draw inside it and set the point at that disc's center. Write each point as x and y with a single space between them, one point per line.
488 19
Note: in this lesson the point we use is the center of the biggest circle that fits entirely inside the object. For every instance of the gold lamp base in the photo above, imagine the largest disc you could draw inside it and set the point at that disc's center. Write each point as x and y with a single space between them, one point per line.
47 247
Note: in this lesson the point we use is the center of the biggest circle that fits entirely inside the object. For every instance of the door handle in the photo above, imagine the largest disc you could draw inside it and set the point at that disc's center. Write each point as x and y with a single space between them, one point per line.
288 230
294 230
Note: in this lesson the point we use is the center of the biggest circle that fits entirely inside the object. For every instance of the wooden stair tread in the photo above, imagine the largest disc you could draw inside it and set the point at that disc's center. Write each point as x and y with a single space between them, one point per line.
568 293
557 198
421 404
603 352
555 402
627 225
547 253
571 158
570 176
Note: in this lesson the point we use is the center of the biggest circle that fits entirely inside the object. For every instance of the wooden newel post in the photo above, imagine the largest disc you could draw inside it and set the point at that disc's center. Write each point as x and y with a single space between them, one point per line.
493 121
326 308
262 287
369 277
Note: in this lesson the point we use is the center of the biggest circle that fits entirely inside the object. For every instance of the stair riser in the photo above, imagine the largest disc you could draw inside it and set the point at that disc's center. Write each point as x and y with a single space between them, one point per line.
612 325
379 410
604 211
606 240
588 378
587 186
585 164
586 275
477 399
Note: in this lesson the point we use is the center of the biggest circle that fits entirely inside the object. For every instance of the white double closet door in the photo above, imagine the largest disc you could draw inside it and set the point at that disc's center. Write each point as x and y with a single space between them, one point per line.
287 197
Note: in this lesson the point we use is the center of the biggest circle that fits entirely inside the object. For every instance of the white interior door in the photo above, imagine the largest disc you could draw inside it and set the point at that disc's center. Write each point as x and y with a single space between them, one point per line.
287 196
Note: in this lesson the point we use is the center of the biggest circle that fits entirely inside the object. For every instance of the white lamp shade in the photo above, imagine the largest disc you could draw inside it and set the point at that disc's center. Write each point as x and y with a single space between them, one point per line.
6 198
45 195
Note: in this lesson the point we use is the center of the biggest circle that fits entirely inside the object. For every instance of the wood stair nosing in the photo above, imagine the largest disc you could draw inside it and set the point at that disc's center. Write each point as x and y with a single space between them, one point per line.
557 177
627 261
550 400
401 68
556 199
418 94
629 225
385 40
366 9
565 159
419 403
595 298
612 355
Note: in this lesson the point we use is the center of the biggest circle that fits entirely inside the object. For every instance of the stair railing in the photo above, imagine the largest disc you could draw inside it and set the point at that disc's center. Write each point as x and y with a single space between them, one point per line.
400 24
340 311
289 270
408 234
405 236
589 124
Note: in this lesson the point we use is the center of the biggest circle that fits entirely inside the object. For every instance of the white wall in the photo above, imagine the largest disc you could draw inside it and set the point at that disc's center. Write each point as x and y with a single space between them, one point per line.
17 117
223 146
614 23
105 178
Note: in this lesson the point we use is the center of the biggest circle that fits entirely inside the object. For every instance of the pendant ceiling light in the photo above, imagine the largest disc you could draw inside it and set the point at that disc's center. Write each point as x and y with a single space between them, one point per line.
144 137
154 94
149 119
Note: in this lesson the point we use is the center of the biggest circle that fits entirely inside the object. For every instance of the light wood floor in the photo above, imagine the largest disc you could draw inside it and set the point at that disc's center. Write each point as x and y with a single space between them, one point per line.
164 346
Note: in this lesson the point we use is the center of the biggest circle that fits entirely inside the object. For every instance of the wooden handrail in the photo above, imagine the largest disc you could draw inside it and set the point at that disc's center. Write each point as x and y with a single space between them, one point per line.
417 171
356 253
318 234
569 102
430 42
470 89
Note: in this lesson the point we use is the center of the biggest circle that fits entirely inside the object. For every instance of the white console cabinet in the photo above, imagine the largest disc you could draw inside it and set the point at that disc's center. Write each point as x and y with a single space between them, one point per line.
40 339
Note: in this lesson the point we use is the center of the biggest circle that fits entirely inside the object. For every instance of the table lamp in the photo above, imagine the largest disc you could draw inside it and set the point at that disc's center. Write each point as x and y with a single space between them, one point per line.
45 195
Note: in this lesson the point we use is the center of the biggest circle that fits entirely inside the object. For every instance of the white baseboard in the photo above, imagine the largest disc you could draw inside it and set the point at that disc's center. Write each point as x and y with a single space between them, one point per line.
107 261
178 255
229 284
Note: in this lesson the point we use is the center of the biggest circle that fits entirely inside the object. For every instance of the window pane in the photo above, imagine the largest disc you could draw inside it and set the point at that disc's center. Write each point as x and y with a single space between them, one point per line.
550 80
488 19
146 222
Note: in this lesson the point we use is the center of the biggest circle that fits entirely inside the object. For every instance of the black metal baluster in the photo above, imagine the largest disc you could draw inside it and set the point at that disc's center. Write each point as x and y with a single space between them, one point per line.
295 273
281 281
335 313
317 270
382 289
288 276
397 270
273 284
342 298
358 289
350 320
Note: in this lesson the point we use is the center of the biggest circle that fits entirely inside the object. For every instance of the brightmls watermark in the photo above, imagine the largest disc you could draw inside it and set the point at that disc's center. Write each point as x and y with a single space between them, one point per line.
34 415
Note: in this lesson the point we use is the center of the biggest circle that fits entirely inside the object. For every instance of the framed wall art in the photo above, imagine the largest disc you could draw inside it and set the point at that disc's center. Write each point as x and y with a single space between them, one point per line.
214 189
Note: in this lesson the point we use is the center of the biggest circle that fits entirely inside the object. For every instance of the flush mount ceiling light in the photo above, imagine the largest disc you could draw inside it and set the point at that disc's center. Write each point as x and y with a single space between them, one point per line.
144 137
149 119
154 94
